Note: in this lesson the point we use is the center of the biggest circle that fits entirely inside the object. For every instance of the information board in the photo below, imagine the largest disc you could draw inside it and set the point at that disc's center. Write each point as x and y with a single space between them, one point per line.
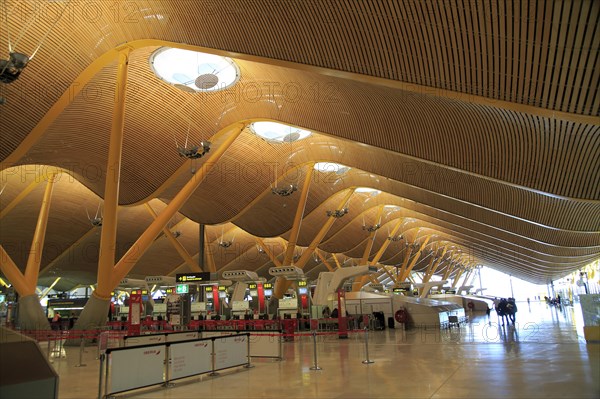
192 277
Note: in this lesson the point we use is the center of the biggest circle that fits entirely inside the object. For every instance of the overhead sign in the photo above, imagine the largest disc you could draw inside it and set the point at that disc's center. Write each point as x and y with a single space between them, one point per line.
301 283
267 285
252 286
182 289
192 277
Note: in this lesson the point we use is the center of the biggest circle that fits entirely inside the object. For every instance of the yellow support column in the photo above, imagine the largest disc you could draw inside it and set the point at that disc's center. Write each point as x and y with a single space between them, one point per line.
37 180
306 255
108 236
13 274
360 281
449 269
457 277
268 251
32 270
282 284
337 262
414 260
176 244
385 244
407 255
431 270
289 252
210 259
390 275
329 267
136 251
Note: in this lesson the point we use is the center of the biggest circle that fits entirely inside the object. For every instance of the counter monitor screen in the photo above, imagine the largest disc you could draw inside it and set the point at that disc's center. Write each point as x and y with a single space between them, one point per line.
302 291
268 292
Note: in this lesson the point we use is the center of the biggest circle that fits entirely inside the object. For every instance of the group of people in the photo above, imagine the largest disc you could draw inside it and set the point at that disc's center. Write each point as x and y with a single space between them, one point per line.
553 301
506 309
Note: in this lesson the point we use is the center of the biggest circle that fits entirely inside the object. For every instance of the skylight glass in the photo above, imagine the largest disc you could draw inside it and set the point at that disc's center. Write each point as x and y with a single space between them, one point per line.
280 132
193 71
367 190
331 167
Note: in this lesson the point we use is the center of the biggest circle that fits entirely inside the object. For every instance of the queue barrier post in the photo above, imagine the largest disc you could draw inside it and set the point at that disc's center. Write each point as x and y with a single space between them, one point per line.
81 346
249 365
213 356
101 375
167 372
316 365
367 361
49 351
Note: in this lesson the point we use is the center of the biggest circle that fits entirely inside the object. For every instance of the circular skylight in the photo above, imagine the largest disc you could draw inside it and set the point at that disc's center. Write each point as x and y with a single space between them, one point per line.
280 132
192 71
331 167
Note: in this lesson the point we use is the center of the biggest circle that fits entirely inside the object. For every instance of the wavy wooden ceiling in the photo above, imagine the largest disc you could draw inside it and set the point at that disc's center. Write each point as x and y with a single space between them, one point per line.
480 121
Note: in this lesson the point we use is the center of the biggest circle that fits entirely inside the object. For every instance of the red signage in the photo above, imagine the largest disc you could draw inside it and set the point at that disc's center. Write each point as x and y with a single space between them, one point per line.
135 313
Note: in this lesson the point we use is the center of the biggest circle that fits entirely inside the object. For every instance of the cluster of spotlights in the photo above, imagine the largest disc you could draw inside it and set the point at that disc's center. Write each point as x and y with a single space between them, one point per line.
194 152
338 213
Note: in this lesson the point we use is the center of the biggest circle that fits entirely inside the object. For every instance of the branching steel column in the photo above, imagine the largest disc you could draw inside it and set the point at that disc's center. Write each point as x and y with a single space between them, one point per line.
32 270
431 271
176 244
282 284
268 251
37 180
449 270
414 260
386 243
289 252
329 267
47 290
407 255
457 277
360 281
136 251
210 259
108 236
14 275
337 262
306 255
390 275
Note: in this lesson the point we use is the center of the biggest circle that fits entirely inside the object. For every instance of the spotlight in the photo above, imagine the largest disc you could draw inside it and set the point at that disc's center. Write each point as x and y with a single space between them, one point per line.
11 69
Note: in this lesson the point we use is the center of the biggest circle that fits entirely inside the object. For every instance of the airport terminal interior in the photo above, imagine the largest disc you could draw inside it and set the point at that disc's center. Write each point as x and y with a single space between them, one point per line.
300 198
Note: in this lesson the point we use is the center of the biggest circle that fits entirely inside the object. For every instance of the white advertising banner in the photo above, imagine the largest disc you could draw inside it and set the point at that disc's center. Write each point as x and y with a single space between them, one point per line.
136 367
231 351
144 340
265 345
190 358
183 336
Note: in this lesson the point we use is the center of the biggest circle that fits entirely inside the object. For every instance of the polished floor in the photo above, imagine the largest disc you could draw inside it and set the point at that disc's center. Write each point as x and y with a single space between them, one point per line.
543 356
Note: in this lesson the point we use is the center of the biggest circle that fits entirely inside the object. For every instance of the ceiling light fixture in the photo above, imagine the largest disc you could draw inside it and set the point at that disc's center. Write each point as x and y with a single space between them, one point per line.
371 228
338 213
285 190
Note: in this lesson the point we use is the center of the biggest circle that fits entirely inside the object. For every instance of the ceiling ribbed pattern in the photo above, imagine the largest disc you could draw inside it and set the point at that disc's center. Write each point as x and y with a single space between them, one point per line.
481 121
